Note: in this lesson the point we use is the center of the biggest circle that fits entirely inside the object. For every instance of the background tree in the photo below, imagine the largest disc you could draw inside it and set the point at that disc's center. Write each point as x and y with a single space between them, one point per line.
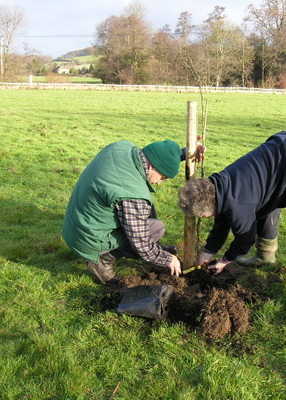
163 66
11 20
184 27
269 22
214 53
216 40
124 45
223 53
135 8
33 62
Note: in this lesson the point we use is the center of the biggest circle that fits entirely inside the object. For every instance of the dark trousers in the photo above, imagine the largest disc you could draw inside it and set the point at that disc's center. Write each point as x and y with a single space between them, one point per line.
156 228
267 227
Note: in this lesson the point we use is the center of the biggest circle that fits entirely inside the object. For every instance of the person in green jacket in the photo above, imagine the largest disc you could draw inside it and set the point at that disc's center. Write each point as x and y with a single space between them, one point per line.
111 212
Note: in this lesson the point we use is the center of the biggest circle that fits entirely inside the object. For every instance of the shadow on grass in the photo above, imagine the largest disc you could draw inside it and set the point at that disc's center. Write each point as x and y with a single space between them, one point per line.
31 235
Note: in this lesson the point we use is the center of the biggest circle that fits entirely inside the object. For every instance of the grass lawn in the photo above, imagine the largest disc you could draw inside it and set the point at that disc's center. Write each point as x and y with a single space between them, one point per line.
60 335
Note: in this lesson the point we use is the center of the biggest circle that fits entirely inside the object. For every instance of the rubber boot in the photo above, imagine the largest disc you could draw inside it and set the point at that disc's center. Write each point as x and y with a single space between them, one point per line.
265 253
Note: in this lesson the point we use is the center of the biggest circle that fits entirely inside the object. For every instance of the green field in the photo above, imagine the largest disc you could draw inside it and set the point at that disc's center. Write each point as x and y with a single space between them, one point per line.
60 79
85 60
60 335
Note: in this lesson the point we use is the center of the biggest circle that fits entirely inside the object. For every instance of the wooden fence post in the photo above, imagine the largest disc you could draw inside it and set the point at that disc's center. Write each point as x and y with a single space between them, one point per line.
191 146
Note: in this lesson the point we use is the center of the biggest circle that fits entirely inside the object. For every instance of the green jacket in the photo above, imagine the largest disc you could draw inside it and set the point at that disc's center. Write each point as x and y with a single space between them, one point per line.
91 224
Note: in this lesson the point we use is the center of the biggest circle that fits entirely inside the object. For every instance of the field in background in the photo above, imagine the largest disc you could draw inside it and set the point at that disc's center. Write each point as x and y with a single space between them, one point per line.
60 79
85 60
60 335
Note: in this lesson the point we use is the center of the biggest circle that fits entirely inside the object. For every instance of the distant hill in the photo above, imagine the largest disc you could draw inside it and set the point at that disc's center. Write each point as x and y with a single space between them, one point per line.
77 53
77 60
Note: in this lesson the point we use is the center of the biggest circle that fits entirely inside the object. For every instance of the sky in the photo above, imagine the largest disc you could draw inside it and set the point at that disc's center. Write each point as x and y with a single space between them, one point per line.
56 27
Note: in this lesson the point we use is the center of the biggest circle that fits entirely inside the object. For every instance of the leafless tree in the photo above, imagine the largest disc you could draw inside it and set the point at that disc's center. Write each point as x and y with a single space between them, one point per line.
124 45
11 20
135 7
269 23
164 68
214 53
223 54
184 26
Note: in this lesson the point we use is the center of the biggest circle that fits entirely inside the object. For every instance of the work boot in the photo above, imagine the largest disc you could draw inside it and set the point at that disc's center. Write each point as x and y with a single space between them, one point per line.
170 248
103 270
265 253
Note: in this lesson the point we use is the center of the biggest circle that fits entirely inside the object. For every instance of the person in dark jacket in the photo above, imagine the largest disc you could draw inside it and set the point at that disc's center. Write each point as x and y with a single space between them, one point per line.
246 198
111 211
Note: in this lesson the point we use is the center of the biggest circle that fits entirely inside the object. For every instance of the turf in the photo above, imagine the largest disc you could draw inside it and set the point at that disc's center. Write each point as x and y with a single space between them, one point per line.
61 337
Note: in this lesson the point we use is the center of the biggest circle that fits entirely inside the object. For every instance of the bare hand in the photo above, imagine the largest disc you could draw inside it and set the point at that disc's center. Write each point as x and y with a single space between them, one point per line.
200 152
175 266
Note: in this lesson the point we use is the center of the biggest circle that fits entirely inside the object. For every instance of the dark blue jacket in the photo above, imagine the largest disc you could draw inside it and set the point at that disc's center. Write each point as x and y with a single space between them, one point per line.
247 190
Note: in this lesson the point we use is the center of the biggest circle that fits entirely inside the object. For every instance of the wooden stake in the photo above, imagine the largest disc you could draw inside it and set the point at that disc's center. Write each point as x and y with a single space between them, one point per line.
203 141
191 146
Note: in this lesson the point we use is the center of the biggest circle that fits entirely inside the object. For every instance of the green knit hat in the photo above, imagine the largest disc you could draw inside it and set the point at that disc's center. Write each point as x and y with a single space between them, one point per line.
164 156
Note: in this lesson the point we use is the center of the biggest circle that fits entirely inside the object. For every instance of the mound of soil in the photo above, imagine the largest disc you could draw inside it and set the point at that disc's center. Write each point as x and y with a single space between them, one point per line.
213 305
224 312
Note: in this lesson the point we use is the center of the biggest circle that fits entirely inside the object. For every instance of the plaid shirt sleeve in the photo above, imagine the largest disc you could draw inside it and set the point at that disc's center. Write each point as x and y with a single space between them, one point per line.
133 216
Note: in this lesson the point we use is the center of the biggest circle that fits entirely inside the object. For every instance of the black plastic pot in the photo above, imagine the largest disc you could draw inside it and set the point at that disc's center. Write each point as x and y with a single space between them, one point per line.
149 301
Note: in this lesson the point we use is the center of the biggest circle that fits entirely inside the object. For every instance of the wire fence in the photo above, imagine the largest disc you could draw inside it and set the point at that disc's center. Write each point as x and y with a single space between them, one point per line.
143 88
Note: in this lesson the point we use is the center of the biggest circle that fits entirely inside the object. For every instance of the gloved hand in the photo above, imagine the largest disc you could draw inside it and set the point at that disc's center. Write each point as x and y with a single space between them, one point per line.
219 266
183 153
205 258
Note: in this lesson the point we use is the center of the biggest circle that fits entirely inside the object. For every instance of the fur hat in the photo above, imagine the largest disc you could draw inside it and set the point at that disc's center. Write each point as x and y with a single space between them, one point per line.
164 156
